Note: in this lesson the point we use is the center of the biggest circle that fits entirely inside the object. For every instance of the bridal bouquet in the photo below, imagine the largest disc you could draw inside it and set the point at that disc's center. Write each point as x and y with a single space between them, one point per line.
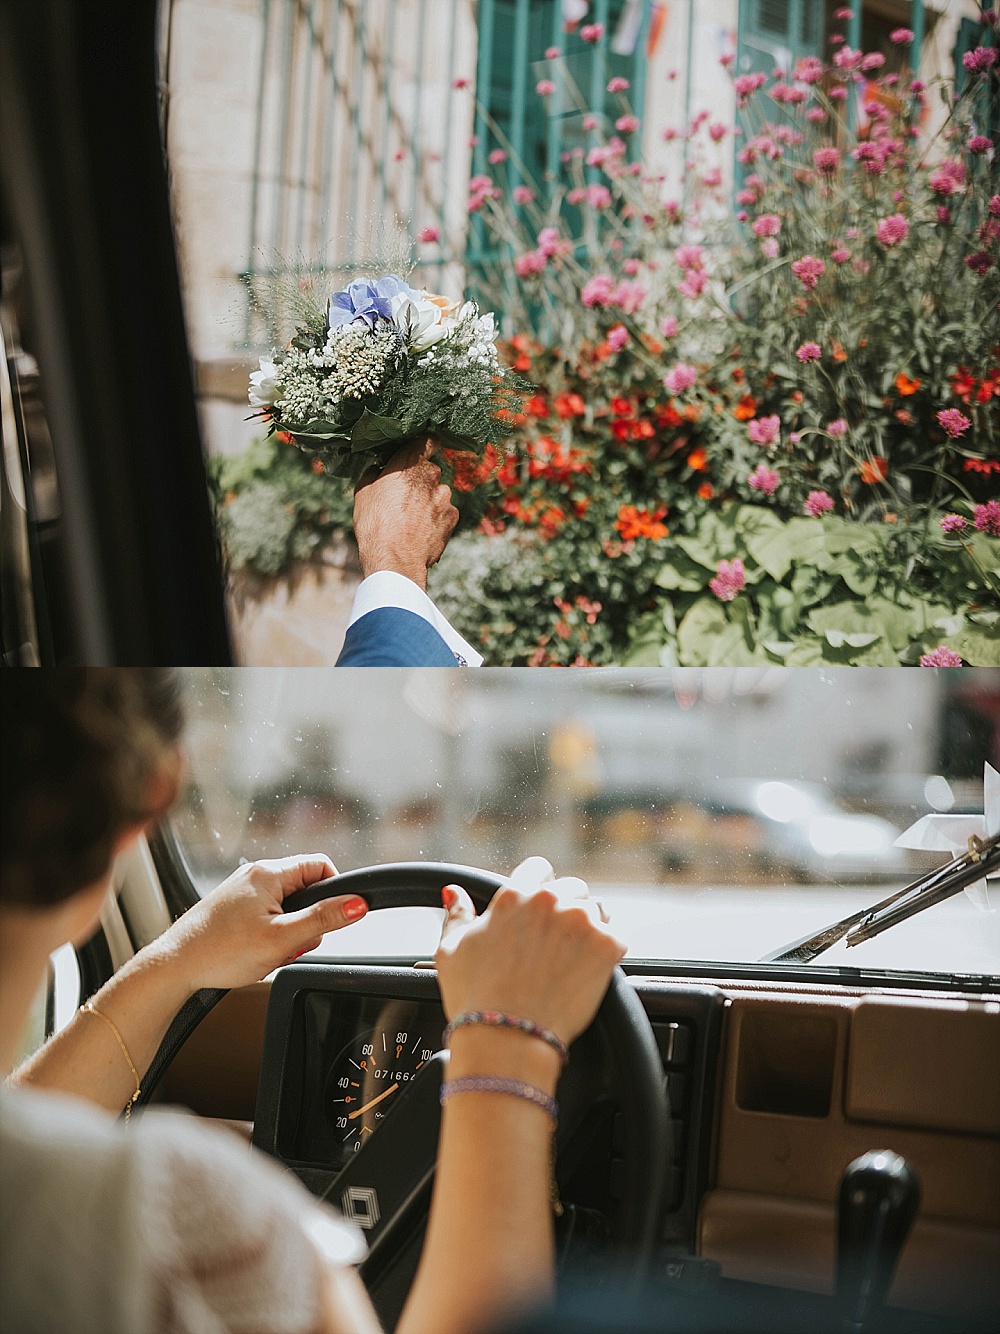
384 364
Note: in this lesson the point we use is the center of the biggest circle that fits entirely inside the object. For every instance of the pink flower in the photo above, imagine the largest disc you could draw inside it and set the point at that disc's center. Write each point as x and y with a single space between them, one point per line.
837 428
770 248
892 230
545 87
429 235
809 69
626 124
496 156
712 177
838 92
768 224
764 479
680 378
986 518
901 36
631 267
980 263
843 15
590 122
552 53
689 256
952 523
746 197
617 337
628 296
817 115
693 285
764 430
827 160
460 83
592 32
532 262
954 423
994 206
841 255
874 60
598 290
809 352
979 143
745 84
942 656
598 196
669 326
618 85
981 60
717 132
847 59
943 215
730 579
817 503
550 243
809 270
522 195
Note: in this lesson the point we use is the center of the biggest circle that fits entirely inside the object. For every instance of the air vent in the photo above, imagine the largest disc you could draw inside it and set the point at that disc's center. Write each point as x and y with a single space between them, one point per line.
773 16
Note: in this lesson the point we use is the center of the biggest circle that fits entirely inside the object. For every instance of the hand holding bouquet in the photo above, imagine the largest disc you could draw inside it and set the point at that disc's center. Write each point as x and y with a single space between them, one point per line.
384 364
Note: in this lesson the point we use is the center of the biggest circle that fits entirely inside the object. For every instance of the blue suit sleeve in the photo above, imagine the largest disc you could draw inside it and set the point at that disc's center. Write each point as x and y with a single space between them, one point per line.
393 637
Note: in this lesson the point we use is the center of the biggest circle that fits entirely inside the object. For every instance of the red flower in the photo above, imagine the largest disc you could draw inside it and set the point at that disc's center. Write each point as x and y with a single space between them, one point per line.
706 491
697 460
668 418
537 406
746 408
633 522
622 407
874 470
569 405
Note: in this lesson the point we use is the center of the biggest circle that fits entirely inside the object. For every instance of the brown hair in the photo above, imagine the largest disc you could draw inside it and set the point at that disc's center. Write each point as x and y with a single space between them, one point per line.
81 748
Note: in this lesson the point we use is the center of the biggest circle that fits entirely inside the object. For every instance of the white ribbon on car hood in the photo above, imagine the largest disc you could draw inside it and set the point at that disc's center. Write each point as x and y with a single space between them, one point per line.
951 833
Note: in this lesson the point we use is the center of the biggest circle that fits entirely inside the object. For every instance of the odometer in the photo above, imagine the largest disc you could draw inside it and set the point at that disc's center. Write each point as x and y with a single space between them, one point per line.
366 1077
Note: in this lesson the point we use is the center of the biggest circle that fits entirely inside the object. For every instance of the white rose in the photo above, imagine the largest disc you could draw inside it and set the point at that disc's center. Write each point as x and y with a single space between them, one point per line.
263 384
419 321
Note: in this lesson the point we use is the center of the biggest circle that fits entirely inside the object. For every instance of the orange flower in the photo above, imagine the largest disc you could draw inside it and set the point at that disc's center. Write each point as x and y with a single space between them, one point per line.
569 405
522 362
285 437
697 460
633 522
537 406
692 411
706 491
838 352
746 408
874 470
905 386
317 466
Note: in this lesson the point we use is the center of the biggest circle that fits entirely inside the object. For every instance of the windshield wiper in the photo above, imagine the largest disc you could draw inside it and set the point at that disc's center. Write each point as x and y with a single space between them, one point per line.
981 860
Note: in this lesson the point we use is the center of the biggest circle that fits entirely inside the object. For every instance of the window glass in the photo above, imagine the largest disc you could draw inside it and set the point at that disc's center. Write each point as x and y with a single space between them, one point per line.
720 814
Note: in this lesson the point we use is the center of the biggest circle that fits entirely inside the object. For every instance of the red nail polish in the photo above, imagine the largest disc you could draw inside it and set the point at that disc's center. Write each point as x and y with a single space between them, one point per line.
448 896
355 908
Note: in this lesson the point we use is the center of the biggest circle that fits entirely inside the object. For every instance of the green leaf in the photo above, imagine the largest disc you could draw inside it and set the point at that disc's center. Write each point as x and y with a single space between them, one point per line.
682 574
707 638
979 647
838 639
318 430
777 549
370 431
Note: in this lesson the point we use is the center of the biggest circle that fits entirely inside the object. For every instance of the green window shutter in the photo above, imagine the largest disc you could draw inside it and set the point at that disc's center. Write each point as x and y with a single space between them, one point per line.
513 37
778 32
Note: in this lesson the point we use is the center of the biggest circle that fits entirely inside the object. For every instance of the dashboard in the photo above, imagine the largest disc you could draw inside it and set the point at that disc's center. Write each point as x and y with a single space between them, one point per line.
773 1089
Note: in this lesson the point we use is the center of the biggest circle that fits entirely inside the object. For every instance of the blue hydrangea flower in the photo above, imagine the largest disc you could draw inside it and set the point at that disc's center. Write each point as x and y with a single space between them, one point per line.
365 301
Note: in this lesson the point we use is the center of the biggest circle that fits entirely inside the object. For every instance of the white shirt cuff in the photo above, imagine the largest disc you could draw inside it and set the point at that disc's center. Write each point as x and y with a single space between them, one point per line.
386 588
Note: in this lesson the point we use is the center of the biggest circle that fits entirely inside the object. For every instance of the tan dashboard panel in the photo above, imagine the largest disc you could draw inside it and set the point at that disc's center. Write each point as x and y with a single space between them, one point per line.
215 1072
941 1071
945 1267
808 1082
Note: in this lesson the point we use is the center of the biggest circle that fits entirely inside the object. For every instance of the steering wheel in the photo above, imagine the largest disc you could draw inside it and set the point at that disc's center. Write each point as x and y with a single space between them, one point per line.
616 1058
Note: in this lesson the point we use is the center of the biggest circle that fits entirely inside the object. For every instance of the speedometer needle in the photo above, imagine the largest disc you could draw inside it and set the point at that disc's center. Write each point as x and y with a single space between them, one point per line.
391 1089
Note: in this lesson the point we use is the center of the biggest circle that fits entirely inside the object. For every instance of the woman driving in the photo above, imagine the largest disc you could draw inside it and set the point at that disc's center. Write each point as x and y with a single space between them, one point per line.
160 1222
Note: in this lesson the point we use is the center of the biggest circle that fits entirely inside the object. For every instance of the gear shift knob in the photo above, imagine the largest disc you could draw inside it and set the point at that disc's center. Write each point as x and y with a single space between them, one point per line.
879 1198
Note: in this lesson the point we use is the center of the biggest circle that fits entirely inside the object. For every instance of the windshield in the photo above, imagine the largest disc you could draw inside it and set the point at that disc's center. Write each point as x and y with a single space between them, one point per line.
719 814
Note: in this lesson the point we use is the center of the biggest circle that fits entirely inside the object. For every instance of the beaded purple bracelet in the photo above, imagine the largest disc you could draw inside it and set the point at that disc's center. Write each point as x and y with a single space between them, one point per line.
516 1088
495 1019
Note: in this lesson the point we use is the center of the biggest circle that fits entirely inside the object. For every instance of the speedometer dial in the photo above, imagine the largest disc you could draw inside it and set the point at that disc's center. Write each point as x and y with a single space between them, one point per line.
366 1079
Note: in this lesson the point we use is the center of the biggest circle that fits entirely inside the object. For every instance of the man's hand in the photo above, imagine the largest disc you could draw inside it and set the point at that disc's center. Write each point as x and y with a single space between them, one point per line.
403 516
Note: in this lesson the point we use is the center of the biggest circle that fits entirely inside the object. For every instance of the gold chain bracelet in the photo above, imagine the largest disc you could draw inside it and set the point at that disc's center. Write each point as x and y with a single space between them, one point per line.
90 1008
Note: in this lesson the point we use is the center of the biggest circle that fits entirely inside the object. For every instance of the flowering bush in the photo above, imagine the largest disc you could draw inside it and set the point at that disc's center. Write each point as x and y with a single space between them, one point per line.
824 365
